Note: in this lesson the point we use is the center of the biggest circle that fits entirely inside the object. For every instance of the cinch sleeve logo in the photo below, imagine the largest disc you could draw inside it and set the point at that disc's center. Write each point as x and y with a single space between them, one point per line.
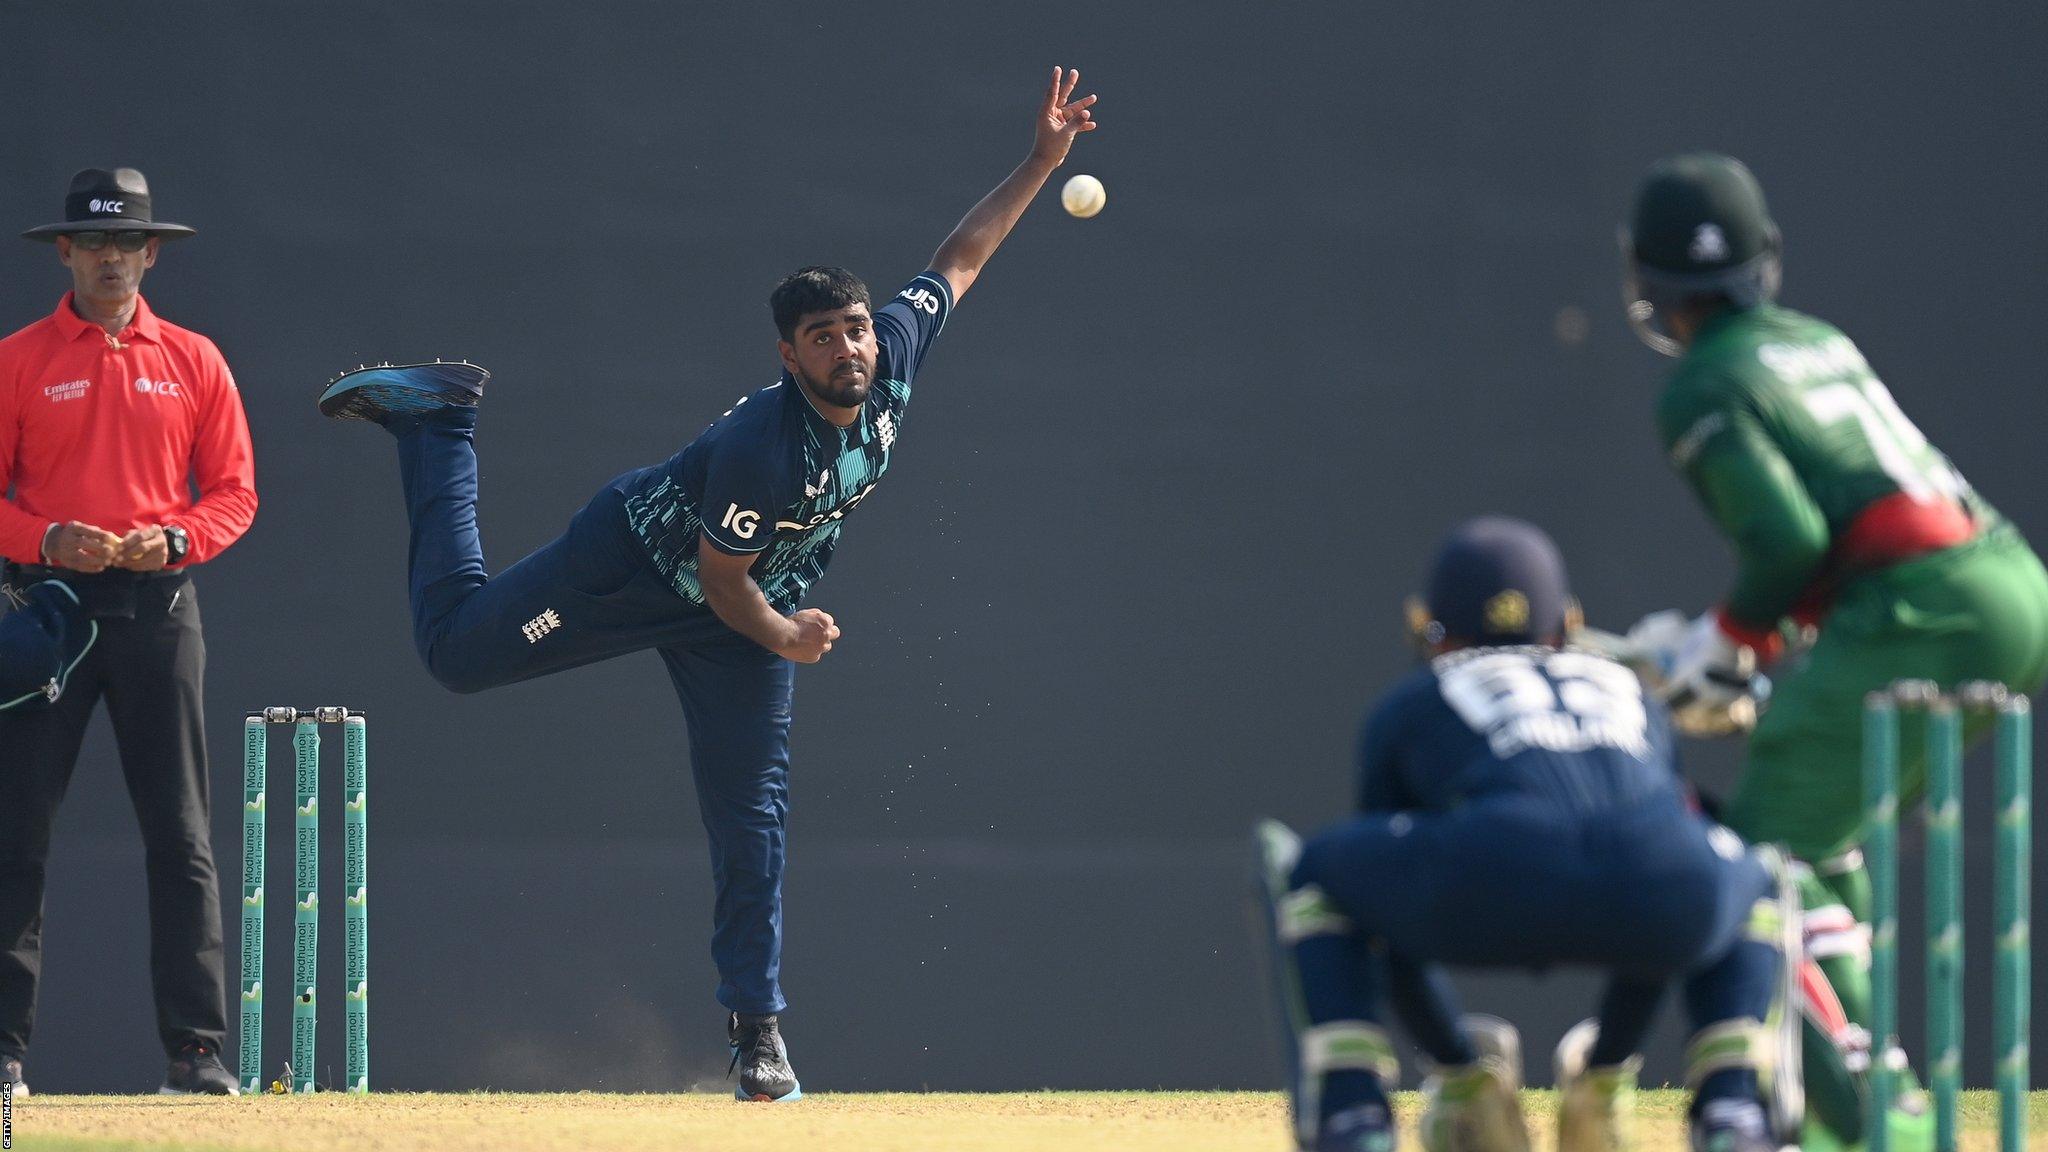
922 298
742 522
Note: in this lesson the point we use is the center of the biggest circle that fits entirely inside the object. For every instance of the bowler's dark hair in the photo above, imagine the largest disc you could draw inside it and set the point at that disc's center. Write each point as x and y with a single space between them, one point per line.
814 289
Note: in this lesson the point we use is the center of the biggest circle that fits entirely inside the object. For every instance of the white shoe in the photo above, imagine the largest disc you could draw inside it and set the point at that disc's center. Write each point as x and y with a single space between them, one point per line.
1476 1107
1596 1107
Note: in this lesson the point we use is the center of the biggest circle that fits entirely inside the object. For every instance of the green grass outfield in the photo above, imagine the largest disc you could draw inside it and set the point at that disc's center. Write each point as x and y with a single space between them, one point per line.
841 1122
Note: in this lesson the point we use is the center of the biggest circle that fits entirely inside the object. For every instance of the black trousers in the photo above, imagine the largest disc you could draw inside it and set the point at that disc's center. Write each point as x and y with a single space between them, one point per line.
148 667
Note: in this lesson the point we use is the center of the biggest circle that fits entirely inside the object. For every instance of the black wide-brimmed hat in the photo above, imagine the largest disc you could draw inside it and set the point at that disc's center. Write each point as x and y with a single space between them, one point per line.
110 201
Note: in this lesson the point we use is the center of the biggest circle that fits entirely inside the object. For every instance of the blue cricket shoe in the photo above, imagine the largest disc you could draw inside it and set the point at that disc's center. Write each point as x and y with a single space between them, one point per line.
383 392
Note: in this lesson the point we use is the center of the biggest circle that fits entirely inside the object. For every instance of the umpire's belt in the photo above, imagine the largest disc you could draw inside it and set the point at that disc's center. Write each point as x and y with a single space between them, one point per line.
113 594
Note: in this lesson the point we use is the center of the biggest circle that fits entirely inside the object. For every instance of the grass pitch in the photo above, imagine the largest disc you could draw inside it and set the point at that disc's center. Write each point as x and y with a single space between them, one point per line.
868 1122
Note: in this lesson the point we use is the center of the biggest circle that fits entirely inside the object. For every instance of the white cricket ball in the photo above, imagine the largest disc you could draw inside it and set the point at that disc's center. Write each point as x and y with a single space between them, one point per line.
1083 196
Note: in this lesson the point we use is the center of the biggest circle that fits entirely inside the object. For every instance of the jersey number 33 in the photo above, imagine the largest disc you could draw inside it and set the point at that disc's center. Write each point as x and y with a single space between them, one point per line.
1557 701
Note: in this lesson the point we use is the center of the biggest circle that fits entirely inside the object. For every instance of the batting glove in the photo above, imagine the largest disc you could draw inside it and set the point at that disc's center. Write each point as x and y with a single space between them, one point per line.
1705 676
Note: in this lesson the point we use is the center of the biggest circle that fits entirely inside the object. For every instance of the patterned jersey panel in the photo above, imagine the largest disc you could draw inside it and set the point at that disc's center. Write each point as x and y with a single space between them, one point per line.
773 476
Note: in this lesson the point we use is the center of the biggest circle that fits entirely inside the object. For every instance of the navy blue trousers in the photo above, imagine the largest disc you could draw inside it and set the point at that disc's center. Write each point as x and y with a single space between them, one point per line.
590 595
1510 884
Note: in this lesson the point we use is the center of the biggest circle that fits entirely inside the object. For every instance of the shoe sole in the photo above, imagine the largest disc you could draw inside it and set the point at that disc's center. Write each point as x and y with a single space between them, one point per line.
741 1094
167 1090
378 392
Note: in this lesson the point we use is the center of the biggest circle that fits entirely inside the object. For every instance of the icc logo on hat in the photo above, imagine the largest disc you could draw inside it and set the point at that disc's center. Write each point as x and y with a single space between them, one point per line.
103 200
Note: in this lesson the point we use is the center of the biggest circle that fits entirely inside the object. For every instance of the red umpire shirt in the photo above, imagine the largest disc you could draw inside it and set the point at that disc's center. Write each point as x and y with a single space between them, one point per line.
116 431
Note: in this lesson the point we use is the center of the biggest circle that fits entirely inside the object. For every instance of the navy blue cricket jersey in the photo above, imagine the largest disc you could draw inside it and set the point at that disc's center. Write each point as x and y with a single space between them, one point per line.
1569 730
773 476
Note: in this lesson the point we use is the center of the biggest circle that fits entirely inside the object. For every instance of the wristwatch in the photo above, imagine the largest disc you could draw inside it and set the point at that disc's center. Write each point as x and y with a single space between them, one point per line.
176 544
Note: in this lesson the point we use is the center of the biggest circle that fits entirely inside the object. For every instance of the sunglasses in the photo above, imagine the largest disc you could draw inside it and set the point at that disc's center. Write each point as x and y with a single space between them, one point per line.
125 241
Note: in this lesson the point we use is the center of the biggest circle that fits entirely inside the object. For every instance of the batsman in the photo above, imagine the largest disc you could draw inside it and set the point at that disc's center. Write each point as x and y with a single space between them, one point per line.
1854 538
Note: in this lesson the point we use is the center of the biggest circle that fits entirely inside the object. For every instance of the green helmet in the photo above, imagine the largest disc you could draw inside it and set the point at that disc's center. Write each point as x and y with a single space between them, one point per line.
1699 229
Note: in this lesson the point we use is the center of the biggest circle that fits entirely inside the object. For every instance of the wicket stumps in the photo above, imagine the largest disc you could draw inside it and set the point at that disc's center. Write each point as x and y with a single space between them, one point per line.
2013 751
306 905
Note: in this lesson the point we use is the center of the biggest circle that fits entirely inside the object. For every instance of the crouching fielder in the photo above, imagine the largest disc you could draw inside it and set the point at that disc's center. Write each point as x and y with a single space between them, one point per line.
1520 808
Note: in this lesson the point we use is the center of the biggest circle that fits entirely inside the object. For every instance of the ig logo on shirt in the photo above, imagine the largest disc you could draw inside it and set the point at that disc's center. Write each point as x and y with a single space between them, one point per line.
742 522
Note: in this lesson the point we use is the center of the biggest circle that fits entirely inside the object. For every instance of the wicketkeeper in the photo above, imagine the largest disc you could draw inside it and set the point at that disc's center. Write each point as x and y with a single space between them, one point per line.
1519 807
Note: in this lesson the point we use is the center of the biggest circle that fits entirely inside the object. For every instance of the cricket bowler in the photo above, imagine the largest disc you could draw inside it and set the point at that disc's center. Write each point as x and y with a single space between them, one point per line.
705 557
1844 519
1520 807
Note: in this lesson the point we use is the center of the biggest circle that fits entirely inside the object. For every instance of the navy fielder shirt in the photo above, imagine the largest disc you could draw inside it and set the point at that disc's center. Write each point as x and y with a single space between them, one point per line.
773 476
1567 729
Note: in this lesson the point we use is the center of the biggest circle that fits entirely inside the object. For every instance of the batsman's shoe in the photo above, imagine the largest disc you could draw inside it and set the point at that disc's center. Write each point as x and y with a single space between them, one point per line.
196 1071
1732 1125
763 1063
1366 1128
1475 1107
1909 1121
385 392
1596 1107
10 1073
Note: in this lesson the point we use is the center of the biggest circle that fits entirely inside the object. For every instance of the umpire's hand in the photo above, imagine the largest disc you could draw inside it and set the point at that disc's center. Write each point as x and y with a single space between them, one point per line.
143 550
80 547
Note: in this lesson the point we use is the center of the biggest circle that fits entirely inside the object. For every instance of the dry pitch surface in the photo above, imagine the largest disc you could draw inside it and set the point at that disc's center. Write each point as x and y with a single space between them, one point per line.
878 1122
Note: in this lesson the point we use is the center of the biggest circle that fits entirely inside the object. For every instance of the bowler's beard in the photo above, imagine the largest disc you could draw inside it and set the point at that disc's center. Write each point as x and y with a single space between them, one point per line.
840 389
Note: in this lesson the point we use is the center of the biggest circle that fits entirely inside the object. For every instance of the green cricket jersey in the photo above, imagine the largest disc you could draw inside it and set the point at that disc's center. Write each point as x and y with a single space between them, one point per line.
1780 426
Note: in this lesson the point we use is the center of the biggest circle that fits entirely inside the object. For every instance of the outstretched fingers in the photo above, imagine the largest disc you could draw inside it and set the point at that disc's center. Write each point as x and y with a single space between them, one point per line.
1064 116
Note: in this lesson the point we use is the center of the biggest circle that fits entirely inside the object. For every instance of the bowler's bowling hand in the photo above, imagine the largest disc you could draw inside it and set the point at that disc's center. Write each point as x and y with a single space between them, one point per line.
81 547
143 550
815 633
1061 117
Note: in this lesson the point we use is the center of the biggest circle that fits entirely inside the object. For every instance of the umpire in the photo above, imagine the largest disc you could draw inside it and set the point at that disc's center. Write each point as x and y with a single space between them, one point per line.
110 418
